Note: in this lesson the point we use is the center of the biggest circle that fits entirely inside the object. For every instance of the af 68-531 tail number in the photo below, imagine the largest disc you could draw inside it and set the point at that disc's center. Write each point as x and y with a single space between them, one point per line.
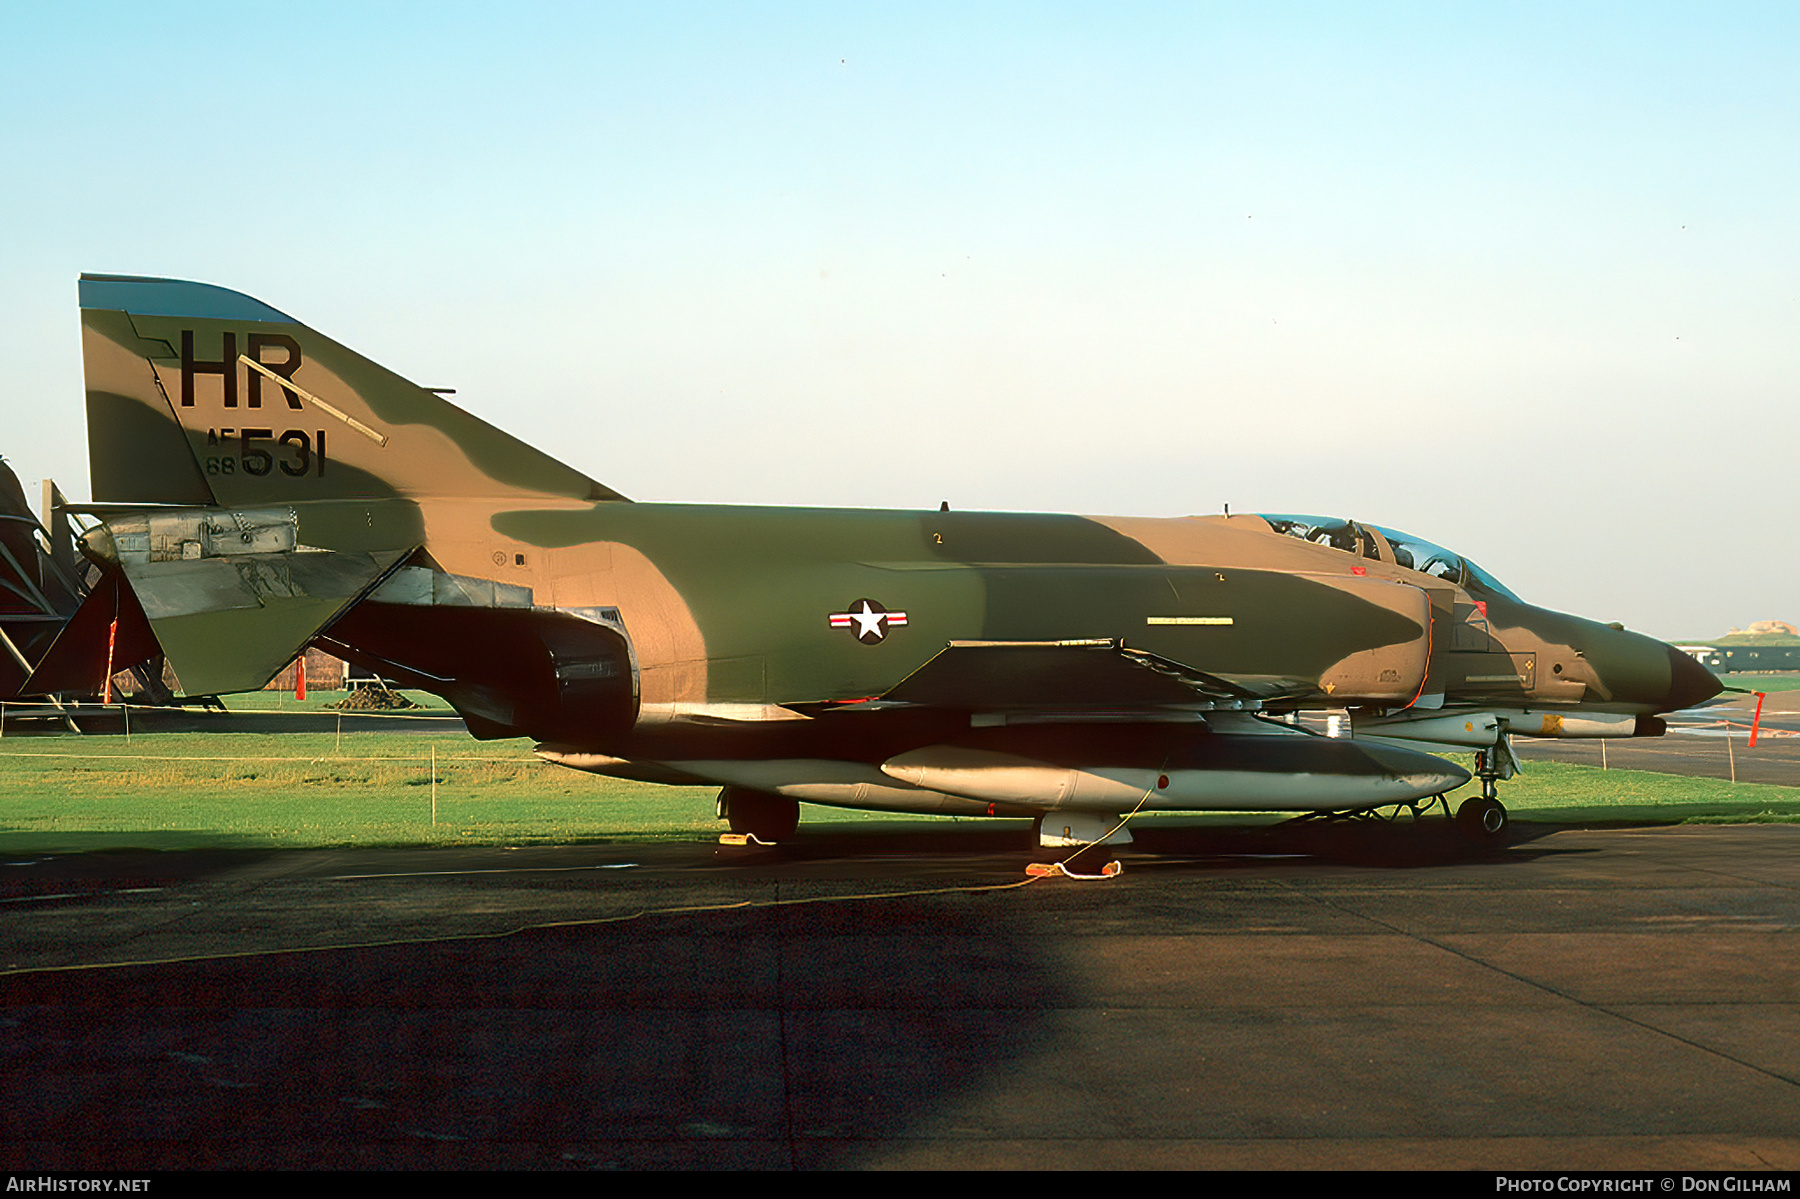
295 453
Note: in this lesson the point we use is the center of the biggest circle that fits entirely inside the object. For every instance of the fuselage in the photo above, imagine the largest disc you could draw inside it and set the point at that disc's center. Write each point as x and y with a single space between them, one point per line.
733 615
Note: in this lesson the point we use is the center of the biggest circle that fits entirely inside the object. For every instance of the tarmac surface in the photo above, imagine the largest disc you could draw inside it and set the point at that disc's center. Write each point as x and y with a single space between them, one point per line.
1350 996
1711 742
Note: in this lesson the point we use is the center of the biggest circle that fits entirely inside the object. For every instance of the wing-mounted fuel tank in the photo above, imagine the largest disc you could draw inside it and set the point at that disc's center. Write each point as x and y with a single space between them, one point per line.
1116 771
1230 761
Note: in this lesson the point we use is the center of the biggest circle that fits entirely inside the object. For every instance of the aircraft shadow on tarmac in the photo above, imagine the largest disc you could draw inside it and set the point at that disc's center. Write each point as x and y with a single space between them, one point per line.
873 852
749 1038
1398 843
745 1037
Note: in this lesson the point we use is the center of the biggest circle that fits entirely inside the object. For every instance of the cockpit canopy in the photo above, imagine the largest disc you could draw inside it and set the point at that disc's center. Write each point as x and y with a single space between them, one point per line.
1389 545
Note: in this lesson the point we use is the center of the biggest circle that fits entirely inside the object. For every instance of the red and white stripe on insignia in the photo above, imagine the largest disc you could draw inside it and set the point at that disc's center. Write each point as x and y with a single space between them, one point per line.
868 620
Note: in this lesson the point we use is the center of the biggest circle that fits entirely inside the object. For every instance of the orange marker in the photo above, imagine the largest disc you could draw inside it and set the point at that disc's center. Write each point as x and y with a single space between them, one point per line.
112 637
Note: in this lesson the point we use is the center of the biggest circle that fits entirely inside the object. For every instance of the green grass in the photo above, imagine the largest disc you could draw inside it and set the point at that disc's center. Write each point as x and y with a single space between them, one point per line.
1563 793
187 790
1762 682
317 701
179 791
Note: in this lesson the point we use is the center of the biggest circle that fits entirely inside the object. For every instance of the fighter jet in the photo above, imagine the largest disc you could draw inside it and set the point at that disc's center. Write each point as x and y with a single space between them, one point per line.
259 488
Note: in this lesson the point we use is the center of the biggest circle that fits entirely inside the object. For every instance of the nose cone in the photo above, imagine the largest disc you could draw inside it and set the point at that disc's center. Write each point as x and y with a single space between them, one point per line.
1689 683
1631 671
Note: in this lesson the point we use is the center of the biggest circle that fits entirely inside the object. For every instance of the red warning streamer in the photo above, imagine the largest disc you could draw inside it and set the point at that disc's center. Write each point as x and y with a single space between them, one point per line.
1756 721
112 638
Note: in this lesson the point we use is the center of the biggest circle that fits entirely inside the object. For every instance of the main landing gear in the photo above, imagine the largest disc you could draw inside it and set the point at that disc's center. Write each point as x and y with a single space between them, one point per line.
1078 844
768 818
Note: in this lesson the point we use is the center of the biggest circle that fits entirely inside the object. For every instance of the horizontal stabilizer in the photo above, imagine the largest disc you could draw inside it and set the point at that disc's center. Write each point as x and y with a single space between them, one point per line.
231 623
232 595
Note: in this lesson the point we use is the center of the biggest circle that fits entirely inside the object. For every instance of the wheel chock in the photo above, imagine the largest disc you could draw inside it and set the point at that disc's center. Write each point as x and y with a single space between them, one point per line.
1112 869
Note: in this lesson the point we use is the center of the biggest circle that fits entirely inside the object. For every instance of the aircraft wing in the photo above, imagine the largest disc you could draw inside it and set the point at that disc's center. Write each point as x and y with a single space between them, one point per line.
1086 675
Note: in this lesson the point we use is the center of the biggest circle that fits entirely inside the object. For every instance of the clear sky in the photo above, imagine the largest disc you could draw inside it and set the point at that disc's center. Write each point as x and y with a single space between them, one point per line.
1523 279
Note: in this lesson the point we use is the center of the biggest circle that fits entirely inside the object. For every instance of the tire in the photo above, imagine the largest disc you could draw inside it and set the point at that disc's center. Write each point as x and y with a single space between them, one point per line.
761 815
1482 819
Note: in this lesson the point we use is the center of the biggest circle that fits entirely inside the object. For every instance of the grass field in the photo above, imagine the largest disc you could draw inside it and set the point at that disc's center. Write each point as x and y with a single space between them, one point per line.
189 790
1762 682
196 789
318 701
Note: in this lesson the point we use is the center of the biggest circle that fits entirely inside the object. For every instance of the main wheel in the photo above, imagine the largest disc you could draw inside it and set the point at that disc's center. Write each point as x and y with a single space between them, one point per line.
1482 819
762 815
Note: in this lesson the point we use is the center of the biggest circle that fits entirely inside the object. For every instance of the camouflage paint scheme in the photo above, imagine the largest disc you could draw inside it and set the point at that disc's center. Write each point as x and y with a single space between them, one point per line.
262 488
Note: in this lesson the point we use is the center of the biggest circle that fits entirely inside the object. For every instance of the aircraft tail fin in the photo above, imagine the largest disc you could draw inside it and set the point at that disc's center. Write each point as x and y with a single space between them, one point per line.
197 395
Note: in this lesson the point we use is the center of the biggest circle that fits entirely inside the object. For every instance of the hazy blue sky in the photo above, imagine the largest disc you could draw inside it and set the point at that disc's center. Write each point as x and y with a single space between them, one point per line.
1522 279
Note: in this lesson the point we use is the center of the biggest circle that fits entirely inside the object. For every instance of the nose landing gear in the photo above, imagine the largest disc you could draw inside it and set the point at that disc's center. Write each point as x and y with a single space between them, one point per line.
1483 818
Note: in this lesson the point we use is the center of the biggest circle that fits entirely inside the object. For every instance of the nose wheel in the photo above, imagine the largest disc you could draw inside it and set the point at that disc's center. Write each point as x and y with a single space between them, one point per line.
1483 818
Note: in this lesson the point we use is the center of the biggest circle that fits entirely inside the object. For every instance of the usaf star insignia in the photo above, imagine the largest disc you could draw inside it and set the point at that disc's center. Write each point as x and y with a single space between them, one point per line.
869 621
